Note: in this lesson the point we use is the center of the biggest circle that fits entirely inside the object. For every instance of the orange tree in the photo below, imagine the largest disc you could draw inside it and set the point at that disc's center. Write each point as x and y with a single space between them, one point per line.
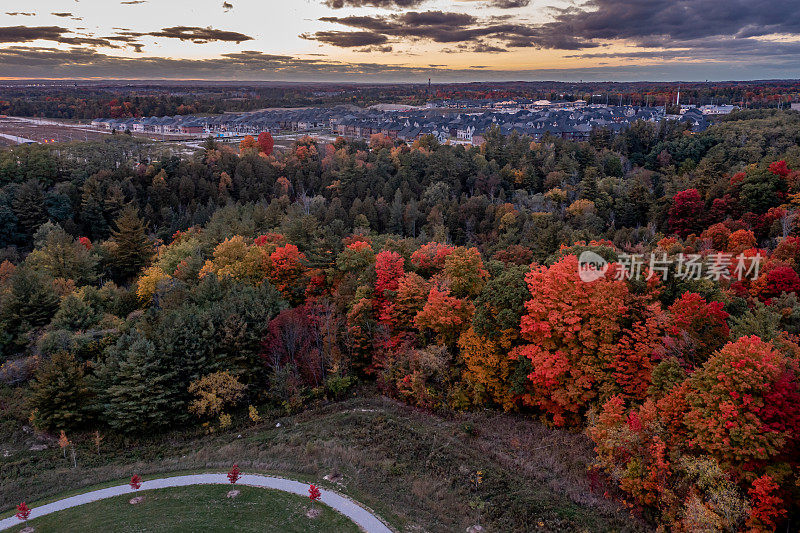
585 340
731 429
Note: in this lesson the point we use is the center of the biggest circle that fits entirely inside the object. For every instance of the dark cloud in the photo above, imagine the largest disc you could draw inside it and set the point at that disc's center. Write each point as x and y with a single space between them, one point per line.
730 50
447 27
63 15
509 4
676 28
347 39
386 4
127 40
18 61
376 49
201 35
677 19
227 6
19 13
504 4
484 48
133 2
26 34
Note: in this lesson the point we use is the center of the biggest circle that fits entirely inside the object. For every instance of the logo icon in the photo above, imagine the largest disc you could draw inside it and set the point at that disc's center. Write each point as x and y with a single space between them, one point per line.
591 267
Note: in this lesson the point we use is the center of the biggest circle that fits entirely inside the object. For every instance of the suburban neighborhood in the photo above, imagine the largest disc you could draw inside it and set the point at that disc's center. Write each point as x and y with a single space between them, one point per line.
457 122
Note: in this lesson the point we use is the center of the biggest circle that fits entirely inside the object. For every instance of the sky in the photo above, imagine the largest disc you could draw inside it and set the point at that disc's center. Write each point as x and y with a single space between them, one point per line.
401 40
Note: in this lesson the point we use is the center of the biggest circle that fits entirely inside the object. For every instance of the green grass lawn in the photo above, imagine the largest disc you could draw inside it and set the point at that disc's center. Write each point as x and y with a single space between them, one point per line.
197 508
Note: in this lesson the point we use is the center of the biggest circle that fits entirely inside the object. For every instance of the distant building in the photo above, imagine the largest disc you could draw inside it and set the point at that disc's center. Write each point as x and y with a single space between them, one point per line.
718 109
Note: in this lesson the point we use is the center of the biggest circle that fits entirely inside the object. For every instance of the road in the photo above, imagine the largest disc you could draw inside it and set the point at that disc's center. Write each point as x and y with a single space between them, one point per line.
360 516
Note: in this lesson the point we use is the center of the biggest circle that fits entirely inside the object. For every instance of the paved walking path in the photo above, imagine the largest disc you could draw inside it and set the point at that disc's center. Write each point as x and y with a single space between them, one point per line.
363 518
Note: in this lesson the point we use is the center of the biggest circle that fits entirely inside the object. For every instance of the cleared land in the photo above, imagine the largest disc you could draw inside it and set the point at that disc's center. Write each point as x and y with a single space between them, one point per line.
53 131
414 469
197 508
46 131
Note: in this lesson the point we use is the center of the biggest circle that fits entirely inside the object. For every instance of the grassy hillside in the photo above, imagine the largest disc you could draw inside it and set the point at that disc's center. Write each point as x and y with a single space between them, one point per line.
415 469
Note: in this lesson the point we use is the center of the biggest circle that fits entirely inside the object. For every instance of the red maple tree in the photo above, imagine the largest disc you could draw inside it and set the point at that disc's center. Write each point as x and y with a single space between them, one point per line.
313 493
767 510
234 474
265 143
23 511
687 212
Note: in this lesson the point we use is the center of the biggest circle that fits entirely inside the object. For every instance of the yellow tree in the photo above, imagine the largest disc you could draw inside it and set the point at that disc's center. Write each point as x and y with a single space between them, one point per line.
214 393
236 259
487 370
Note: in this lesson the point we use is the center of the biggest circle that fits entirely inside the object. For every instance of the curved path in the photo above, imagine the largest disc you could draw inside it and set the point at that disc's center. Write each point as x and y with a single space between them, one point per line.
360 516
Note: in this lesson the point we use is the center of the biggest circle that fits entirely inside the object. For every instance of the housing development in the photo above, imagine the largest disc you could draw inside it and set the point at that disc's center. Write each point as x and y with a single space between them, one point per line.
463 122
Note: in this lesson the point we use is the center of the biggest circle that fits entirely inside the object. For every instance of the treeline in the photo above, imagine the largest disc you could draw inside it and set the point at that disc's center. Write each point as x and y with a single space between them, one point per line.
142 100
142 290
90 102
751 94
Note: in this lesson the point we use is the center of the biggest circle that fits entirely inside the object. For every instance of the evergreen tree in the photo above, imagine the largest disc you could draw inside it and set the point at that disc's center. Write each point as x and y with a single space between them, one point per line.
28 205
138 391
75 314
130 250
61 256
31 303
60 395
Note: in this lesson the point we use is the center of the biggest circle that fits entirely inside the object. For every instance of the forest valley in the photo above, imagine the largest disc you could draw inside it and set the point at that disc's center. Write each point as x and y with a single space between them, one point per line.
142 290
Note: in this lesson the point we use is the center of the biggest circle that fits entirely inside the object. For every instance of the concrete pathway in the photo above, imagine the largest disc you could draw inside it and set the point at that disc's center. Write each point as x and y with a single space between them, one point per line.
360 516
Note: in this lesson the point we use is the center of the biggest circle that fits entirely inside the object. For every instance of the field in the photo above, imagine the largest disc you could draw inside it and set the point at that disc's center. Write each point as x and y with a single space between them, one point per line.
47 131
416 470
197 508
52 131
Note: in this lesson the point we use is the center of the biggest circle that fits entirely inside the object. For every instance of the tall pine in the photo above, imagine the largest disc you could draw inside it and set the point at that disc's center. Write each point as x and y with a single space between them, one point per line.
138 388
31 304
130 250
60 395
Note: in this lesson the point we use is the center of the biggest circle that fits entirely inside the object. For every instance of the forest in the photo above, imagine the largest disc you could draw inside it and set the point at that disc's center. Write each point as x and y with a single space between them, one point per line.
142 289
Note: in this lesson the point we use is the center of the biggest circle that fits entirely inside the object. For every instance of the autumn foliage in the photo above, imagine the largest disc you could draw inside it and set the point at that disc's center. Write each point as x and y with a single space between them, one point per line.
686 215
723 424
143 290
767 511
578 342
265 143
234 474
23 512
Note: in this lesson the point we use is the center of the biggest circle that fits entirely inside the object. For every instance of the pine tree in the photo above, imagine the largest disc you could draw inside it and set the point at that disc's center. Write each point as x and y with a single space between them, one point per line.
32 302
138 392
60 394
93 209
28 206
130 248
62 256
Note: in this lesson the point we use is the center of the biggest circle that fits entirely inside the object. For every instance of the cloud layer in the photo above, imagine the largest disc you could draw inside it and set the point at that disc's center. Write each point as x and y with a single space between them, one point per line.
58 34
698 29
698 36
